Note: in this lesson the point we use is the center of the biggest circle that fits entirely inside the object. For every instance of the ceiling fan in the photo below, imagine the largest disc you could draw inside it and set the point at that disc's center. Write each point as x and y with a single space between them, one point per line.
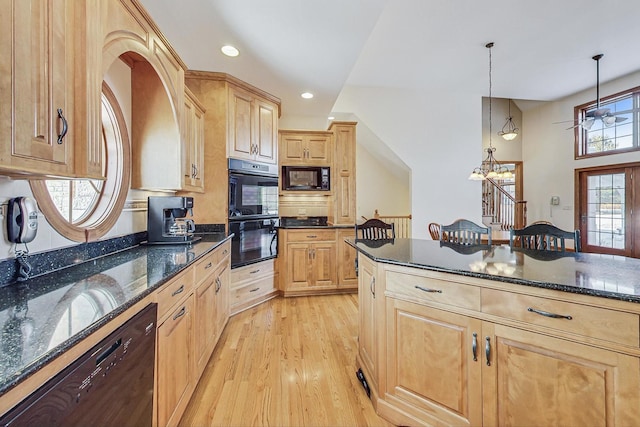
604 114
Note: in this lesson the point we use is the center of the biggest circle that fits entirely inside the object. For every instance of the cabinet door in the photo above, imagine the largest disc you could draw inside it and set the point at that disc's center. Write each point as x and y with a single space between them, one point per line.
347 277
193 146
222 296
292 149
323 259
539 380
205 320
240 137
175 364
266 137
41 99
298 265
318 150
433 367
367 333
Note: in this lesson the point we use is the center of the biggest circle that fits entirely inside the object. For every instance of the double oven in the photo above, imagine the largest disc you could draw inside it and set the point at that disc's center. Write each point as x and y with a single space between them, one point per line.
253 211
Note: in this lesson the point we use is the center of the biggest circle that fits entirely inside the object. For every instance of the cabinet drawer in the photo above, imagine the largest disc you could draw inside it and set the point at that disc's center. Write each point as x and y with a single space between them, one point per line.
250 272
430 289
174 291
205 266
608 325
251 290
311 235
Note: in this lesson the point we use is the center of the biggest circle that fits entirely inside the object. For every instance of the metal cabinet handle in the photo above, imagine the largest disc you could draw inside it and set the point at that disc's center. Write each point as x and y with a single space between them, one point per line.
181 313
474 347
225 252
178 291
428 290
254 271
65 126
547 314
218 284
372 286
487 350
313 236
208 266
253 290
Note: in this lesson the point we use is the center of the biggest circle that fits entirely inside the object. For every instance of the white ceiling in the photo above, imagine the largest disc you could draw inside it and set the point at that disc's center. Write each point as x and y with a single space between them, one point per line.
542 51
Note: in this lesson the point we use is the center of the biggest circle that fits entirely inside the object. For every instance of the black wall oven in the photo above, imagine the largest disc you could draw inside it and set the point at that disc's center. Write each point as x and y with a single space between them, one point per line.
253 211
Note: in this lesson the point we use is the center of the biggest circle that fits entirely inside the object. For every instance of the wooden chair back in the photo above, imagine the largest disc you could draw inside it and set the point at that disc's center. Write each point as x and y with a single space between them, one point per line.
464 232
544 237
434 230
374 229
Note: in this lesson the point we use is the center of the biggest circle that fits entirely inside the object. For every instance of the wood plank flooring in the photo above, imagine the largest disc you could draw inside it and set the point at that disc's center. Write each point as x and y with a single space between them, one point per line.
286 362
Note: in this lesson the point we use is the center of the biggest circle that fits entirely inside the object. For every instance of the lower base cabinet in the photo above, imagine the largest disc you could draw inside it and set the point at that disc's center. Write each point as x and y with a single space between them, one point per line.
193 310
252 284
175 365
451 352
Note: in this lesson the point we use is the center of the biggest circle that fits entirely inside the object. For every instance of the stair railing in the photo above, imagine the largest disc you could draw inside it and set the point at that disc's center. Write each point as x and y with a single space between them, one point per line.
502 207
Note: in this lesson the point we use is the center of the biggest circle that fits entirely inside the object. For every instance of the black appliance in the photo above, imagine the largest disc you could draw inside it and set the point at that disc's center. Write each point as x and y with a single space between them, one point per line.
110 385
306 178
253 211
167 222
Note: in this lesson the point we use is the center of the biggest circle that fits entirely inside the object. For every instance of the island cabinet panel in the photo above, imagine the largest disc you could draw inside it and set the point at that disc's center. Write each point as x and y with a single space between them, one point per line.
433 364
534 379
462 350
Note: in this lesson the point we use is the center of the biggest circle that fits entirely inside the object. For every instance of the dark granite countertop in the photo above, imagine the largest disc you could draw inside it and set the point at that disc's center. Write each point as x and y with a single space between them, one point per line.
607 276
46 315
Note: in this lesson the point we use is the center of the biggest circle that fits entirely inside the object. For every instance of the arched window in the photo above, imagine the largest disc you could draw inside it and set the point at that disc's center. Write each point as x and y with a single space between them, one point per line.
83 210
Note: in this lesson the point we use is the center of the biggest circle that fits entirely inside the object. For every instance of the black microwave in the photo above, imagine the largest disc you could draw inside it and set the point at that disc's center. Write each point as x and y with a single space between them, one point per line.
306 178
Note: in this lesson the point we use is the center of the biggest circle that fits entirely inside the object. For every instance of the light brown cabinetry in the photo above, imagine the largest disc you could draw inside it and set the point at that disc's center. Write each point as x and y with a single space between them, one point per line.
228 132
175 361
253 123
38 125
211 295
192 312
465 351
343 171
301 147
347 277
193 144
252 284
310 261
369 324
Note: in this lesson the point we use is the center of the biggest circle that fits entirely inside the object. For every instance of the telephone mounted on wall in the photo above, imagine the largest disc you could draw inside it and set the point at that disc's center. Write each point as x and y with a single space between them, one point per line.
22 220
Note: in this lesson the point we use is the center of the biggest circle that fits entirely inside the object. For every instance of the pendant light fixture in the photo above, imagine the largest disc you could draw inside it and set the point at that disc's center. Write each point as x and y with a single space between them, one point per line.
490 168
509 130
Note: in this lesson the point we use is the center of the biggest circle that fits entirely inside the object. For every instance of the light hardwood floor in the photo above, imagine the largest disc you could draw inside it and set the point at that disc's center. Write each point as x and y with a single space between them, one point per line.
287 362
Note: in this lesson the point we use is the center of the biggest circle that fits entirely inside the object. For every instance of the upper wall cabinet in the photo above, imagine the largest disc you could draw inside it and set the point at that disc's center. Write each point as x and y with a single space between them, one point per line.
193 144
305 147
253 126
37 123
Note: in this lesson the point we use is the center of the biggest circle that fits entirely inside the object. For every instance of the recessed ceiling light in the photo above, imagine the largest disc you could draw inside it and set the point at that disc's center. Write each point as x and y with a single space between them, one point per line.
230 50
307 95
331 117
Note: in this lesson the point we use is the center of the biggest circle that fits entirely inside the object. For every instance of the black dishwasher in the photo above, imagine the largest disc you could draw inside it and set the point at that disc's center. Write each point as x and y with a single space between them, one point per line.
110 385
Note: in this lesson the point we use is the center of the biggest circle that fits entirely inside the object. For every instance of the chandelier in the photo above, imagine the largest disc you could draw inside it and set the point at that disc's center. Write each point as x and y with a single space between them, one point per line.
490 168
509 130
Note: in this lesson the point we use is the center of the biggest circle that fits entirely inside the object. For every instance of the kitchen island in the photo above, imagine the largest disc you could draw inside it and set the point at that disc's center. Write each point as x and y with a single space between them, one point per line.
50 320
483 335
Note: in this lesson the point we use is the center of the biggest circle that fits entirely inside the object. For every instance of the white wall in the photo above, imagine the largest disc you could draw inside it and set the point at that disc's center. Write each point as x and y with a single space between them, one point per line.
438 136
548 153
379 187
